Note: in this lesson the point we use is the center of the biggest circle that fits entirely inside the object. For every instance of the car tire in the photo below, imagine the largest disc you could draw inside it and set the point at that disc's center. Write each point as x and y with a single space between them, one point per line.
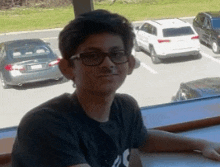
58 79
201 41
4 85
154 57
64 80
215 47
136 47
198 56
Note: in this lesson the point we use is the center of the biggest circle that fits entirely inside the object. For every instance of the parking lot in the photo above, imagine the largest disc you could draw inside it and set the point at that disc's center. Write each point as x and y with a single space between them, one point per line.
150 84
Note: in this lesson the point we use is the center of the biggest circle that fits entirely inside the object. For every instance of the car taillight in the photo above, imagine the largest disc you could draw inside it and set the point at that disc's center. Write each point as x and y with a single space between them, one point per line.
55 62
195 37
11 67
163 40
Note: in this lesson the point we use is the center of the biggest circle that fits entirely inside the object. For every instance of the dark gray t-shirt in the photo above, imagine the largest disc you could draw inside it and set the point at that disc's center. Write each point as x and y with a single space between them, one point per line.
58 133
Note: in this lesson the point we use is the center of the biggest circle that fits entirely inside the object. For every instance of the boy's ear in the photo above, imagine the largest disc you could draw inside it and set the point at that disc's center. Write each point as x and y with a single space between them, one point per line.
66 69
131 64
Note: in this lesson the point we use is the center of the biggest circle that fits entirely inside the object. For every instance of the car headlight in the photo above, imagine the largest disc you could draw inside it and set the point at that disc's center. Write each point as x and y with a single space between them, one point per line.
186 94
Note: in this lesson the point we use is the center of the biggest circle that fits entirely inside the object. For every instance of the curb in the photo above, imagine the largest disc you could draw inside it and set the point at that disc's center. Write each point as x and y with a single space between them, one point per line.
23 32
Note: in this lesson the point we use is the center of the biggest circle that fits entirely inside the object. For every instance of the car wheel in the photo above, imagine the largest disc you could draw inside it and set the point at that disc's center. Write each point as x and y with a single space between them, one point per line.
136 47
58 79
4 85
154 57
63 80
197 56
215 47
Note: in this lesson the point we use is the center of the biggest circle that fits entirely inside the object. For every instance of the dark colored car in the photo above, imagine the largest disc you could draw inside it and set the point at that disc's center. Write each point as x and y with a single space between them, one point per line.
207 25
26 61
205 87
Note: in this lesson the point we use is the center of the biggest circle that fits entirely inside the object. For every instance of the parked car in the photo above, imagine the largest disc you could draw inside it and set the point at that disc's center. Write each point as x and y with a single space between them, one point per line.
207 25
167 38
27 60
204 87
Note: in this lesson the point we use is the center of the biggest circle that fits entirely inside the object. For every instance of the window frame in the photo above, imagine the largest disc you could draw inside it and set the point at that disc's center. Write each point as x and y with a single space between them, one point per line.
182 125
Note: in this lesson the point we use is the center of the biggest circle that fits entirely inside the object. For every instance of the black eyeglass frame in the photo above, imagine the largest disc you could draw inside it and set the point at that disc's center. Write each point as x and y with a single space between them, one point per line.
102 54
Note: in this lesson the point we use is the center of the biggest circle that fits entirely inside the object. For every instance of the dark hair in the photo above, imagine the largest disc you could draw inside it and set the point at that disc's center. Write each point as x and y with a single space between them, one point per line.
94 22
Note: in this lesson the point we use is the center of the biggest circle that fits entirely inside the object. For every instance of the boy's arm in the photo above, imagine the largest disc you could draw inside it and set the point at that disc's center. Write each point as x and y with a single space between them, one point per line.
80 165
135 159
161 141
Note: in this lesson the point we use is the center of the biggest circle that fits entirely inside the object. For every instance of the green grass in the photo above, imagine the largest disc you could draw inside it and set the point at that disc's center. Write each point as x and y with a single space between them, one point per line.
33 19
21 19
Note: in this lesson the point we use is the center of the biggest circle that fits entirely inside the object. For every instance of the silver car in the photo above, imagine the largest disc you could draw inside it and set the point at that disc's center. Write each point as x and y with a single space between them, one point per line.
26 61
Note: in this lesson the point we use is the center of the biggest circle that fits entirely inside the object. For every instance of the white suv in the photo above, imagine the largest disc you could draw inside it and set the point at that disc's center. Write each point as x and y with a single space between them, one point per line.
167 38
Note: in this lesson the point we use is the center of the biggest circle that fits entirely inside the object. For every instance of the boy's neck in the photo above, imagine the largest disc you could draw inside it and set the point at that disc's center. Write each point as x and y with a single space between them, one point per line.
96 106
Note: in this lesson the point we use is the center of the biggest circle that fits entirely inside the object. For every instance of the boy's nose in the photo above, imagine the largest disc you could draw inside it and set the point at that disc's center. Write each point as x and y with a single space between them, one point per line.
107 62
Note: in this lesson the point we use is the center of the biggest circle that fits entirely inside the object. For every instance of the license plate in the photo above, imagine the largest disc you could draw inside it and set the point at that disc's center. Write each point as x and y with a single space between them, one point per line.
181 45
34 67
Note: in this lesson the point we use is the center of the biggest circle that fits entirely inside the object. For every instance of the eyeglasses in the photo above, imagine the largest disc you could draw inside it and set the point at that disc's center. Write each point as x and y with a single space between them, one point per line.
96 58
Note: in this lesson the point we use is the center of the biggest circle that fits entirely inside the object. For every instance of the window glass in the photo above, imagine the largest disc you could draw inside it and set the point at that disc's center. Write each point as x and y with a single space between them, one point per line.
144 27
207 23
154 30
151 83
2 53
216 23
30 52
201 19
149 29
173 32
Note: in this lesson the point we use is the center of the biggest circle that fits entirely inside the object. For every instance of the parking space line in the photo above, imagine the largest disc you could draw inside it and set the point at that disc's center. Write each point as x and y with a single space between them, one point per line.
148 68
210 57
49 38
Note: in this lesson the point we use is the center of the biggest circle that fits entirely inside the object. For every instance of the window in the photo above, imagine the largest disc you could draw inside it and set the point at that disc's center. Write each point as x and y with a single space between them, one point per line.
144 27
149 29
154 31
2 53
30 52
200 19
149 84
216 23
173 32
207 23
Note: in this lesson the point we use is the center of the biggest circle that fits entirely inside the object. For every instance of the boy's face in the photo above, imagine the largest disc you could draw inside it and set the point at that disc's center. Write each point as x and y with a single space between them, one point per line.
106 77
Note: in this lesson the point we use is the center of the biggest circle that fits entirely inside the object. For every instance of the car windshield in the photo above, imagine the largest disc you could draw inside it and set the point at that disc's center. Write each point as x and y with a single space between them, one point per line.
174 32
28 52
216 23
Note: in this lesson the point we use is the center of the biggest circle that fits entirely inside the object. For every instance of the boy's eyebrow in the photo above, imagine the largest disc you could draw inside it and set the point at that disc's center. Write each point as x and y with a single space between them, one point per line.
92 49
116 48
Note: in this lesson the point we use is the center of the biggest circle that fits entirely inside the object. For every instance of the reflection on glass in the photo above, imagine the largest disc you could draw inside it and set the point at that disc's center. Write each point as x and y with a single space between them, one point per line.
216 23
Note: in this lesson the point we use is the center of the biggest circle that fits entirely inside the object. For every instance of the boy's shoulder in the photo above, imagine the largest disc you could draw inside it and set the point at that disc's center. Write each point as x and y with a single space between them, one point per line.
126 99
58 106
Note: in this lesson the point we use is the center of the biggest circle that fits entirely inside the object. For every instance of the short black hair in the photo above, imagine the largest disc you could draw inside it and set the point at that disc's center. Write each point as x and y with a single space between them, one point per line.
94 22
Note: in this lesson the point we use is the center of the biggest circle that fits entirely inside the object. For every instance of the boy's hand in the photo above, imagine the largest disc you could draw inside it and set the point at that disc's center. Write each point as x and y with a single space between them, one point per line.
211 150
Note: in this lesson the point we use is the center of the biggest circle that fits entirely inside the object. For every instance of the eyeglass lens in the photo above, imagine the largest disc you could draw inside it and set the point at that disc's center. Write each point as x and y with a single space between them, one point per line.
96 58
